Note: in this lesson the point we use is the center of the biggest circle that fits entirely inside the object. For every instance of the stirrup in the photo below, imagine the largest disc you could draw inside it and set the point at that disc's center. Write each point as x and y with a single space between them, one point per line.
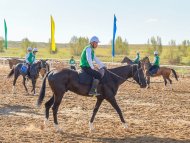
94 93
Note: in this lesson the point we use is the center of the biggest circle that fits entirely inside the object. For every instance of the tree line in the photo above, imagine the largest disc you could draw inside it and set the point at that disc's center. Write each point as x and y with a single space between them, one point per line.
173 52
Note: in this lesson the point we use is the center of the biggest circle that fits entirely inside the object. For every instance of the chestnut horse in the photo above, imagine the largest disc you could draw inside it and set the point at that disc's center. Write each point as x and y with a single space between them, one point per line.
162 71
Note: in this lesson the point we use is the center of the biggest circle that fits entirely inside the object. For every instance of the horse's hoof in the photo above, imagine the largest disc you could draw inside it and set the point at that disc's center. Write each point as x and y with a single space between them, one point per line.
57 129
91 127
35 94
46 121
125 125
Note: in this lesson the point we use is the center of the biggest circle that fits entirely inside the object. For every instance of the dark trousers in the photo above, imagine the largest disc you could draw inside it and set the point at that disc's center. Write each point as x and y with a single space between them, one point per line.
95 74
153 69
73 68
28 70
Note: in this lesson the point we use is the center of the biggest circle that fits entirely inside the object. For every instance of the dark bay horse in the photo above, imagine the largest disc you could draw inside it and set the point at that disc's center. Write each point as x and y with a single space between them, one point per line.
34 74
162 71
127 60
67 79
14 61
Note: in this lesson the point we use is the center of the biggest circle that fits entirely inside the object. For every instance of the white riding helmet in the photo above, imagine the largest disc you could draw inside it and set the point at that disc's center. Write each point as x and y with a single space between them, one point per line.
29 49
94 39
35 50
155 52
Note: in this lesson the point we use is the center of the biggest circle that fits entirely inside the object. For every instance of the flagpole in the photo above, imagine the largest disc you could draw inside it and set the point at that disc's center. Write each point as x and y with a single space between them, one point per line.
113 40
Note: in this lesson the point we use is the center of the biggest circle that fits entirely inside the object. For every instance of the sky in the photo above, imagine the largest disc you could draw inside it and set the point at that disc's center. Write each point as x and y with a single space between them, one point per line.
137 20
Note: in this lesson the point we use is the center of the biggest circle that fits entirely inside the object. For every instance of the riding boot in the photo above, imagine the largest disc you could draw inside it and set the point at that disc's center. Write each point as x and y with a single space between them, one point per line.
93 90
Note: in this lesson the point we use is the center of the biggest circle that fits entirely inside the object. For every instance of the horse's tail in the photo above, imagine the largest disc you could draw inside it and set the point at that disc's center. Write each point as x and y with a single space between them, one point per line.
173 71
11 73
42 90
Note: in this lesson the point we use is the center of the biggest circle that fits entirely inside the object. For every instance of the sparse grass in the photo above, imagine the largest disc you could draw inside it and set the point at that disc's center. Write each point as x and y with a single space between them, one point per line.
102 53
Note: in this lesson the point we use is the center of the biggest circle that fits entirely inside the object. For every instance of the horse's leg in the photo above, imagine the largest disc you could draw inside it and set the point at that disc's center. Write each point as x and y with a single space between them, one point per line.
57 100
113 102
34 85
165 81
24 83
168 78
48 105
16 75
98 103
148 81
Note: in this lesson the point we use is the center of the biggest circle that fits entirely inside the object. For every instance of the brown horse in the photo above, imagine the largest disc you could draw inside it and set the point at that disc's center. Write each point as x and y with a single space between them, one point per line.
14 61
162 71
67 79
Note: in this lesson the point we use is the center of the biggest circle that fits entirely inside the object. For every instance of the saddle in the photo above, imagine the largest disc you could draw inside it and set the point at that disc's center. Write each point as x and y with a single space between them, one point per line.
85 78
24 69
153 71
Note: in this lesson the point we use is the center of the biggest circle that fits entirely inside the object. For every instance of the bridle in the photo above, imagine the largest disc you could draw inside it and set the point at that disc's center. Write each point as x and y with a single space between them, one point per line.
132 81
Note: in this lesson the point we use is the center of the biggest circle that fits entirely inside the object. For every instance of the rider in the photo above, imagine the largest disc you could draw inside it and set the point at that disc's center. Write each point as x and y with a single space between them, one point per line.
29 59
156 64
72 63
35 50
136 60
87 57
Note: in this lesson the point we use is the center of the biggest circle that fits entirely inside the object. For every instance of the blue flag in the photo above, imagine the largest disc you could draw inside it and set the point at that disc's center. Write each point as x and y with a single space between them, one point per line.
114 32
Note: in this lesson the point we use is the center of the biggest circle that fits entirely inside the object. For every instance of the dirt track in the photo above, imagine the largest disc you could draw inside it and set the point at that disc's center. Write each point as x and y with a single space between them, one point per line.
153 115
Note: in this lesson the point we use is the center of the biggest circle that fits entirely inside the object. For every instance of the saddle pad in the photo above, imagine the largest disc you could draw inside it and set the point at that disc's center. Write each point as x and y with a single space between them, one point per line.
84 78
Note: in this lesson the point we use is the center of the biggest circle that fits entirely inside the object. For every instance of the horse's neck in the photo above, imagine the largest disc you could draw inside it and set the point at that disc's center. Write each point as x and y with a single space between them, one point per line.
37 67
124 72
148 64
128 60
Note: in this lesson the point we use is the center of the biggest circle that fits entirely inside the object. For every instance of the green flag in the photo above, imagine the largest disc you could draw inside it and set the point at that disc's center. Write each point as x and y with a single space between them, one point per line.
5 41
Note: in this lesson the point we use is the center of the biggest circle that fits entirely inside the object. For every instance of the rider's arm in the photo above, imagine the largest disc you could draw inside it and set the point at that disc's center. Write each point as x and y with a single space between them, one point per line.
100 64
89 57
26 58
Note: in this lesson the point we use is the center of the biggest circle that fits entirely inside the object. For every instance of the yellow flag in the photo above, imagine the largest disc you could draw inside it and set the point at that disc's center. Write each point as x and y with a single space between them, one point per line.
53 47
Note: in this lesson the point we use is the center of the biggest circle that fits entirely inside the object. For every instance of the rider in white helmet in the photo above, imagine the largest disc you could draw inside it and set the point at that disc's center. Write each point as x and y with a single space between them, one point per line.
29 60
28 57
156 64
86 63
35 50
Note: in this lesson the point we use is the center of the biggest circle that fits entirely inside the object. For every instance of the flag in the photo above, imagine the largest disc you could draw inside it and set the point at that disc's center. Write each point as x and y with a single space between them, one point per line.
114 32
5 28
53 47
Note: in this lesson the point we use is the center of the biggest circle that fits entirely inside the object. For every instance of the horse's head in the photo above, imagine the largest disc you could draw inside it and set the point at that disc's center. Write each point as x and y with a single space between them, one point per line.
138 75
145 62
44 67
126 60
145 59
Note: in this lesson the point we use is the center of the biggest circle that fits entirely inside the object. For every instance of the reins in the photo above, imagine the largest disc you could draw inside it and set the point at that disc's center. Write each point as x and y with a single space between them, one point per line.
132 81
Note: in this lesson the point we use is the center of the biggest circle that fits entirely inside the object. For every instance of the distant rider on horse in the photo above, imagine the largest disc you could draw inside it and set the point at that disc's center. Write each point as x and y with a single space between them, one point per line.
137 59
156 64
30 59
72 63
86 63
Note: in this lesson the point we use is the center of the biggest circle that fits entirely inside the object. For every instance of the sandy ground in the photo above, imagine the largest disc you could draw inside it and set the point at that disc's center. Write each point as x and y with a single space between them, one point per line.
153 115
